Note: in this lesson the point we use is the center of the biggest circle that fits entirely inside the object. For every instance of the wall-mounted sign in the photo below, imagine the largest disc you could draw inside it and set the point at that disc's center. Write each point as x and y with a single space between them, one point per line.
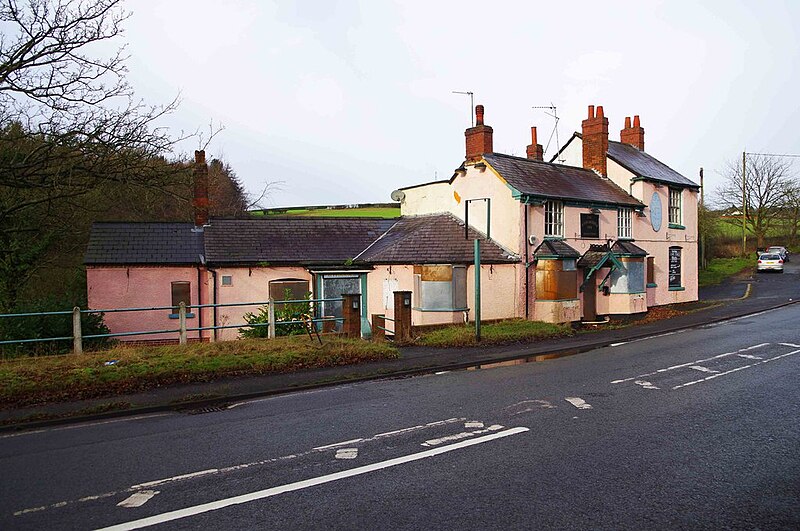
590 226
674 267
655 212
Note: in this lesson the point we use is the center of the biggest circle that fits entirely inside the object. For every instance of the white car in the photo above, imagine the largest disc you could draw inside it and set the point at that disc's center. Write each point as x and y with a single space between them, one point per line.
770 262
775 249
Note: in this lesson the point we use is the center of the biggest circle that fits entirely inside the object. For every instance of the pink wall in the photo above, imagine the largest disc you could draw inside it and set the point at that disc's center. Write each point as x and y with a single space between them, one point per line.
137 287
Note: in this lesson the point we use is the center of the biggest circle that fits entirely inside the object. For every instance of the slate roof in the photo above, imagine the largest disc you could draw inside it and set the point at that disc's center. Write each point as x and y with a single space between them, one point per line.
593 256
144 243
550 248
556 181
623 247
432 239
284 240
645 165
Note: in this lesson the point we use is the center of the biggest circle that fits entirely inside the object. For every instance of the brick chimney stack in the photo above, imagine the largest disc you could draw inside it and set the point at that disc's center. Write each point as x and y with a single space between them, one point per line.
633 135
200 200
535 150
479 138
595 141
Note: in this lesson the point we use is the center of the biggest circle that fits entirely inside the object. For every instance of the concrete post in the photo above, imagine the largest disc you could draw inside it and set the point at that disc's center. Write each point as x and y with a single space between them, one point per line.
378 325
351 311
77 338
182 323
402 316
271 316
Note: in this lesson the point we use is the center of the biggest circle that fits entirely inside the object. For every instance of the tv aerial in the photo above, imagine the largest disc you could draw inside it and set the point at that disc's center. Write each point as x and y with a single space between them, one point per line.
551 111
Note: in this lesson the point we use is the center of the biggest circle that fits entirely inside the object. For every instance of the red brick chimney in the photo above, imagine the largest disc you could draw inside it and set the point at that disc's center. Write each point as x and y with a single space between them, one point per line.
200 200
633 135
479 138
535 150
595 141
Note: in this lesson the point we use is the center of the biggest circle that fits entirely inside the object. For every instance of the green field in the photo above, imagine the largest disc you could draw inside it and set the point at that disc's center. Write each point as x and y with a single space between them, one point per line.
721 268
366 212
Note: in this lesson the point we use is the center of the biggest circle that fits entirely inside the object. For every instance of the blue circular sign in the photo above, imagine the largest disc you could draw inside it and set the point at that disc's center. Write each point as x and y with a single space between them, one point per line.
655 212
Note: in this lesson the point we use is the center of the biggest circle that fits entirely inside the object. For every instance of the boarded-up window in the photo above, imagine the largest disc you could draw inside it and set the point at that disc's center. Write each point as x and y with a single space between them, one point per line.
441 287
651 270
293 289
554 281
181 293
390 285
630 280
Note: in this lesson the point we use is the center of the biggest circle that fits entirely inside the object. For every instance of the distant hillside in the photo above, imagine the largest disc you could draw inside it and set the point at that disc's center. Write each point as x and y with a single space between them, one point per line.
365 210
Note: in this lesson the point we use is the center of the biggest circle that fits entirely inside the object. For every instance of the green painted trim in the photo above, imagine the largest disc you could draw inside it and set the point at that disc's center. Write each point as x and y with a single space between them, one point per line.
177 316
679 288
440 309
676 226
652 285
555 238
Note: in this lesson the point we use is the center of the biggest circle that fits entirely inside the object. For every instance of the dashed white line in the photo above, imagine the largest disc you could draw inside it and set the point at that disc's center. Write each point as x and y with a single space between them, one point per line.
789 345
736 369
645 384
578 402
174 478
334 445
137 499
462 435
473 424
702 369
750 357
346 453
274 491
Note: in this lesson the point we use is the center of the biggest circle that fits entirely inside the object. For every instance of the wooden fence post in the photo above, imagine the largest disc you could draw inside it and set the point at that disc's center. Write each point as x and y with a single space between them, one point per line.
271 316
182 323
77 336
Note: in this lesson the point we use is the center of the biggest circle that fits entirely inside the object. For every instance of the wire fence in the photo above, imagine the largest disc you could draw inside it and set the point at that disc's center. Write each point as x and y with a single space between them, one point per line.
309 312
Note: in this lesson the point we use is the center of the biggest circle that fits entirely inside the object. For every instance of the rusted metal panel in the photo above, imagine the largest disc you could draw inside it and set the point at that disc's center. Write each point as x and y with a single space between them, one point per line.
553 283
434 272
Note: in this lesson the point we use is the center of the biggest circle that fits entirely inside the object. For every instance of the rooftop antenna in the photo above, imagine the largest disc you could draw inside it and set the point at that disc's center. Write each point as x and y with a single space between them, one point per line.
471 105
554 115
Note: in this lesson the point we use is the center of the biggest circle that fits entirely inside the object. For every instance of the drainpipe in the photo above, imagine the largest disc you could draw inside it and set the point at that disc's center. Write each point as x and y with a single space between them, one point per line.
527 263
200 301
214 301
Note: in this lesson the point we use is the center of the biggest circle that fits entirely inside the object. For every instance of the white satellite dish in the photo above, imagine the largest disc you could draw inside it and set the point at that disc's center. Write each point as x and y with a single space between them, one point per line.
532 239
398 195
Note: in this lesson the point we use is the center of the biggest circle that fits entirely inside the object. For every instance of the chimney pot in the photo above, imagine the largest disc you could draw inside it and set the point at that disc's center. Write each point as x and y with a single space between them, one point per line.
633 135
479 138
479 115
591 111
535 151
599 112
627 122
533 136
636 122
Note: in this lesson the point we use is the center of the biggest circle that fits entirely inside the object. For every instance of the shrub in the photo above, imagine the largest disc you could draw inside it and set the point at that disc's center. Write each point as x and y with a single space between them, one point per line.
284 311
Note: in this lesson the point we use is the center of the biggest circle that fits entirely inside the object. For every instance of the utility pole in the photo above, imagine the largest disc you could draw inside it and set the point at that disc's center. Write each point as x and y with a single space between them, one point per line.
702 235
744 204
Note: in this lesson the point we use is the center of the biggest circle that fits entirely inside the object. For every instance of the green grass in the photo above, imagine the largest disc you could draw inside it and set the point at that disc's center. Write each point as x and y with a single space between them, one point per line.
502 332
721 268
366 212
27 381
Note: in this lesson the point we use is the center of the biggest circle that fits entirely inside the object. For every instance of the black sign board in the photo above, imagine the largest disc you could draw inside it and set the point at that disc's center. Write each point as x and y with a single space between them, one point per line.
674 267
590 225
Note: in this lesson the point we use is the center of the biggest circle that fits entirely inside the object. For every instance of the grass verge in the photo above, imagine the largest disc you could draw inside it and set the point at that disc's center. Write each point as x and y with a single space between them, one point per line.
502 332
721 268
30 381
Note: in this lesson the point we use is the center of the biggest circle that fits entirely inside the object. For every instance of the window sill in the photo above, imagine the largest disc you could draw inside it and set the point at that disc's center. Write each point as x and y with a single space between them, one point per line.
677 288
676 226
178 316
441 309
652 285
626 238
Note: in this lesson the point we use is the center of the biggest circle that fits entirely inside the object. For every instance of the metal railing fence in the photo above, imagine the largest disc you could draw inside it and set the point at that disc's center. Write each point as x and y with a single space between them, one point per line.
182 330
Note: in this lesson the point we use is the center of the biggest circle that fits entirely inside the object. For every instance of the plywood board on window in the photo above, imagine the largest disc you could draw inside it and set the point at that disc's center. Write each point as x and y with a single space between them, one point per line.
554 284
434 273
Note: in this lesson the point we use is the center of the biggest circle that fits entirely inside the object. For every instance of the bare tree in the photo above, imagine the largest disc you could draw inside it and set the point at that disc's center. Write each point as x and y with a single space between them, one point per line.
767 180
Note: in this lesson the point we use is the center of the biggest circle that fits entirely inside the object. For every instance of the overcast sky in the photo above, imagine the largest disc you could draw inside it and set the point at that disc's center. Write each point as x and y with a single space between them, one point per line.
345 101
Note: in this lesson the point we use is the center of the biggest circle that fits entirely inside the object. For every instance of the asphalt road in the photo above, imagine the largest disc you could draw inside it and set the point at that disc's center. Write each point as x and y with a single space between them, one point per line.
697 429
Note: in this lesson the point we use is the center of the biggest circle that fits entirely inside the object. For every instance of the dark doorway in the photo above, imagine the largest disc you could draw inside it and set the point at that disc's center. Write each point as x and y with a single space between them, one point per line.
590 298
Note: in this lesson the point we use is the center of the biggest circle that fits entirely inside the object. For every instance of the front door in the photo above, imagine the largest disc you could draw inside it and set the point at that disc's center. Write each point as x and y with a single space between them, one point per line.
590 298
333 287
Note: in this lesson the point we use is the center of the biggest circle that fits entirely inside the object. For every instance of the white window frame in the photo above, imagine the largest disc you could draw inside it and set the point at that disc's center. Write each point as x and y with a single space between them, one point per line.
675 199
553 219
625 223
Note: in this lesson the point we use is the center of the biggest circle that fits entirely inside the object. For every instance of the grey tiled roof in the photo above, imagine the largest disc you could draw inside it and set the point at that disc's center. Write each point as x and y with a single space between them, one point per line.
432 239
593 255
144 243
628 248
545 179
555 248
283 240
645 165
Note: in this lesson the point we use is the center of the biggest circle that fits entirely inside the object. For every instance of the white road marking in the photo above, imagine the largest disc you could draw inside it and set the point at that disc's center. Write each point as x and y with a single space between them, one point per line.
274 491
736 369
473 424
440 373
529 405
750 357
618 344
334 445
578 402
645 384
232 468
683 365
137 499
789 345
462 435
347 453
702 369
